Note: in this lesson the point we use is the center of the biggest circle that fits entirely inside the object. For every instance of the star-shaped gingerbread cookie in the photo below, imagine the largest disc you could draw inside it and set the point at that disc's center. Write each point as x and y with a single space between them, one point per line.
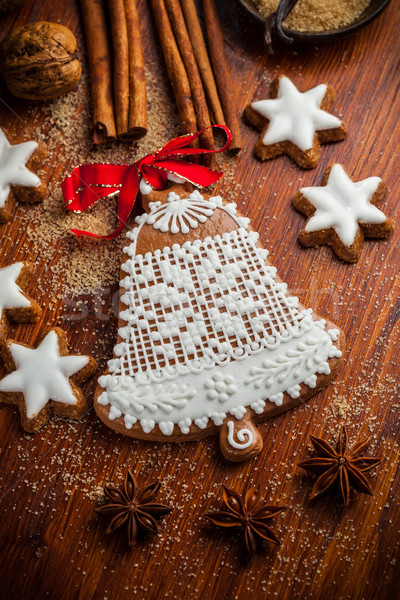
16 165
15 305
342 212
45 379
294 123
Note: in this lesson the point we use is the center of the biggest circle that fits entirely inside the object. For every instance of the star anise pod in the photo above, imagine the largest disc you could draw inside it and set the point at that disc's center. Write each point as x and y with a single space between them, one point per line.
250 514
341 466
132 508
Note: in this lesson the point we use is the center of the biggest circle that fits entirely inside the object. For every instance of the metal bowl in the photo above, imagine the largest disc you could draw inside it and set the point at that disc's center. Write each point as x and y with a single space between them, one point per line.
370 13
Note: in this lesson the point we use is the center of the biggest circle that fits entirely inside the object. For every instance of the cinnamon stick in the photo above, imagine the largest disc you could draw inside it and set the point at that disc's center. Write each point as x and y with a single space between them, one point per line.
98 52
186 51
137 119
119 34
203 62
222 72
175 67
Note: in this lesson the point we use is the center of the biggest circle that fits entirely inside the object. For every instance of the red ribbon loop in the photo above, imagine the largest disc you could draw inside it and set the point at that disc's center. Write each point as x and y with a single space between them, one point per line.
87 184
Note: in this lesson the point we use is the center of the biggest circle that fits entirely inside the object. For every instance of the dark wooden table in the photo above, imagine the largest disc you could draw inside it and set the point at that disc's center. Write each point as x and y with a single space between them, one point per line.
53 545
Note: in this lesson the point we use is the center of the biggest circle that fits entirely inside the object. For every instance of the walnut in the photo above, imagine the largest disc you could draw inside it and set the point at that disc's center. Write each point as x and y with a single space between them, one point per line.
40 61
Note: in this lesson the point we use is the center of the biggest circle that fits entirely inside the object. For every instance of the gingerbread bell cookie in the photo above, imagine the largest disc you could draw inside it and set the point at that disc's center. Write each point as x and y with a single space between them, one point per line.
341 212
18 181
209 339
15 305
45 379
294 123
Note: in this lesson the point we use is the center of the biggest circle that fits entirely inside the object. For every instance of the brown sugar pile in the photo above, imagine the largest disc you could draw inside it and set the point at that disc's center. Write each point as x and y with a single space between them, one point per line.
317 15
83 265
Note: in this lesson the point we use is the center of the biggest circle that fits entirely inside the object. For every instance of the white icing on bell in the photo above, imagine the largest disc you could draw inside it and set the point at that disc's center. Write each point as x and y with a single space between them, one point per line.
245 437
201 422
128 394
220 387
208 327
179 215
144 187
218 418
258 406
276 398
11 295
294 391
12 166
42 374
295 116
334 334
342 204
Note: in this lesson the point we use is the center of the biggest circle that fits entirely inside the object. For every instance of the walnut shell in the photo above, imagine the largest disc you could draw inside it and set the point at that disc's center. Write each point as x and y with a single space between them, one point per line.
40 61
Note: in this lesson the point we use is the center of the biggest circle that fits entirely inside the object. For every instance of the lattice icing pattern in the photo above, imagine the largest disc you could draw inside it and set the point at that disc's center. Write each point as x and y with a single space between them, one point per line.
209 331
202 304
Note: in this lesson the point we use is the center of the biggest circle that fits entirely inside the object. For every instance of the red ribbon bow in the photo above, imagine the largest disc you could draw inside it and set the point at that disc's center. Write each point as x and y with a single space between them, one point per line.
87 184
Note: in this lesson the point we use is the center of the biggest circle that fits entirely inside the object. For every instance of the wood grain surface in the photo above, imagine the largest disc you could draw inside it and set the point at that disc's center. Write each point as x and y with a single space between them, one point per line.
52 544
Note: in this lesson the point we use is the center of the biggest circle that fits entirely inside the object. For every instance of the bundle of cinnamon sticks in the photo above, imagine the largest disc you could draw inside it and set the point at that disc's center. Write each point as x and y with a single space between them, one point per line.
200 76
200 79
116 68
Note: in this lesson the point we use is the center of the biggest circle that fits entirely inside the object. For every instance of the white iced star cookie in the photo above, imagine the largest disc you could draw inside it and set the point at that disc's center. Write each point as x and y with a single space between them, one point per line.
295 123
341 212
16 165
45 379
15 305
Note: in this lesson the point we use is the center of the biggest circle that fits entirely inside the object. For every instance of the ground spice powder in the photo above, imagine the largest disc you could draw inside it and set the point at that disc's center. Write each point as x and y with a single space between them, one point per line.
317 15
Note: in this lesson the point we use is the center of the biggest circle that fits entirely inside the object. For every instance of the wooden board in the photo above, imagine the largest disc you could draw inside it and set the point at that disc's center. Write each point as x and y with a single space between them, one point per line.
53 545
